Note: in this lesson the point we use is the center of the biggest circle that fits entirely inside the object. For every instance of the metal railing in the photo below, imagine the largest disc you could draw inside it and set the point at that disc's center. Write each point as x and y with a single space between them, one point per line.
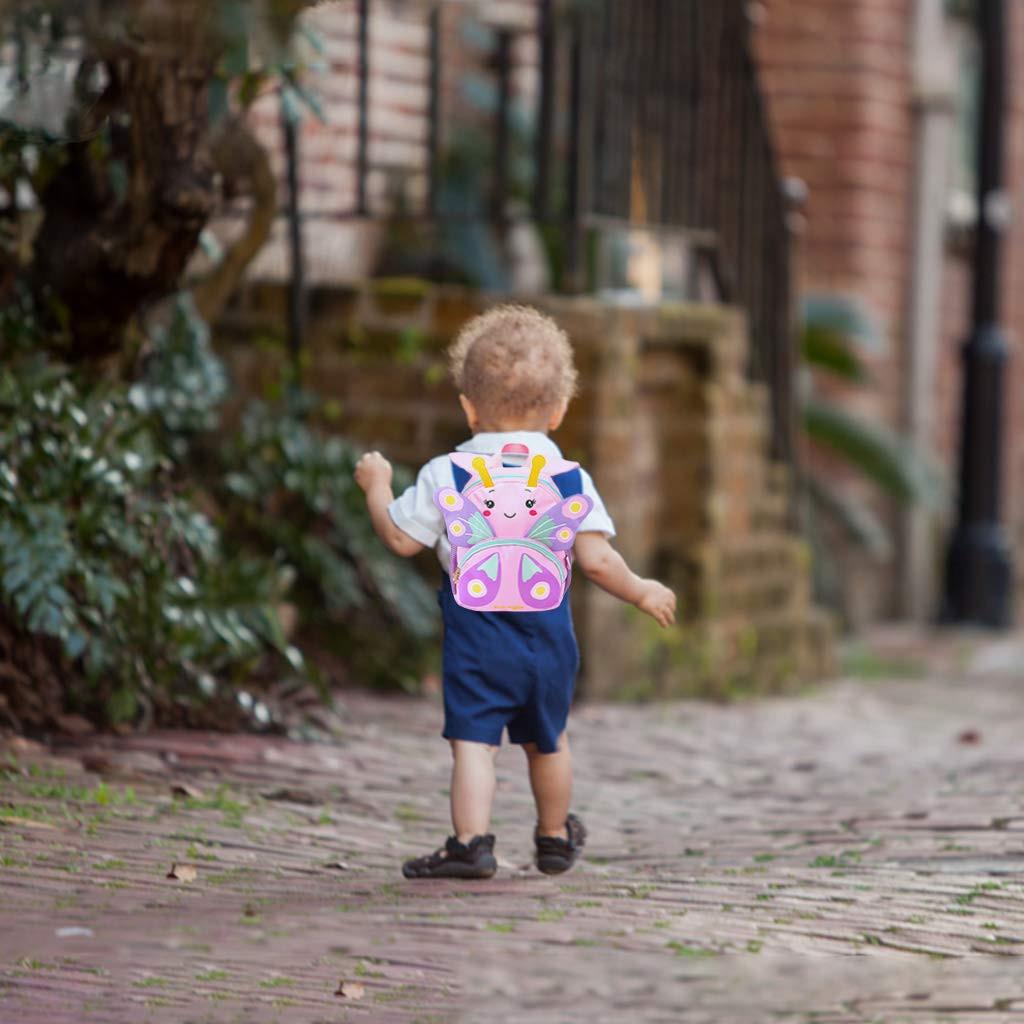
647 113
675 134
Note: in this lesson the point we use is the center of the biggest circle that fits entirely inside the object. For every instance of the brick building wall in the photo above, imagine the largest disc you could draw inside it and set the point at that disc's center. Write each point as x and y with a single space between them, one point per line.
838 75
341 247
838 89
837 82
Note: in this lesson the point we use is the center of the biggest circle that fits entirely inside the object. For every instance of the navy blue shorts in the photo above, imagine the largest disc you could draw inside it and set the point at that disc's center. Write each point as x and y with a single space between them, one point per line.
507 669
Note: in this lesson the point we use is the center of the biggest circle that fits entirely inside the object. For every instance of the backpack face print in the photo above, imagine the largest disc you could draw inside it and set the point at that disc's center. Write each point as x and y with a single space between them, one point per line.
511 530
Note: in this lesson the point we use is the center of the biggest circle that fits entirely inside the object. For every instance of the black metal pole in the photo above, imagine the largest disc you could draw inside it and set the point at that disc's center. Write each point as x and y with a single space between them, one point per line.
979 576
576 237
503 71
434 135
297 279
363 106
545 112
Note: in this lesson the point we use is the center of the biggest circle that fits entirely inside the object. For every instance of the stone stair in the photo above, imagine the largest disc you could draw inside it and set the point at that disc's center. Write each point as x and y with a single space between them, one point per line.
723 524
747 600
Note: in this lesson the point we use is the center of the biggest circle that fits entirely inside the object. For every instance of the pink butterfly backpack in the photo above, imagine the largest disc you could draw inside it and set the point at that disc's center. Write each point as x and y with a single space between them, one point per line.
511 527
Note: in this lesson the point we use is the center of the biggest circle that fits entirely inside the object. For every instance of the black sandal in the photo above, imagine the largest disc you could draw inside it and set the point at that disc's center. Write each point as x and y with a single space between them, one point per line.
474 859
555 855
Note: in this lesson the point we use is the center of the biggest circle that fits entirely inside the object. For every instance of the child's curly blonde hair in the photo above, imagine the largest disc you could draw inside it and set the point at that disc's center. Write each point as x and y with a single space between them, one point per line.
513 362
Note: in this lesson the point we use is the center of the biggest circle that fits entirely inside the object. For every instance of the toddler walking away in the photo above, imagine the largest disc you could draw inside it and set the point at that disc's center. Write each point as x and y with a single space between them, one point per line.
506 514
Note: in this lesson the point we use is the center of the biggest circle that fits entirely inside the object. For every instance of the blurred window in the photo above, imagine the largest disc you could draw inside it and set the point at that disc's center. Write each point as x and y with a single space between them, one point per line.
962 202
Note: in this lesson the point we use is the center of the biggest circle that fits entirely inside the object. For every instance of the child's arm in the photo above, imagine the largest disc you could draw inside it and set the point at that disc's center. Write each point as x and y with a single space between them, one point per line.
373 474
603 565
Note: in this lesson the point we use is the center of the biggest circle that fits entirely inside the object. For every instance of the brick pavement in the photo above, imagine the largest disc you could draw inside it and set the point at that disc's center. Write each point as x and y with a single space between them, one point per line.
853 854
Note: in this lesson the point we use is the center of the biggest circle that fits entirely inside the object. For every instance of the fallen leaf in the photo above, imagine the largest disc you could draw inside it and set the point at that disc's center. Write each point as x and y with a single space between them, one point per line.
182 872
26 822
350 990
185 789
969 736
20 745
96 762
293 795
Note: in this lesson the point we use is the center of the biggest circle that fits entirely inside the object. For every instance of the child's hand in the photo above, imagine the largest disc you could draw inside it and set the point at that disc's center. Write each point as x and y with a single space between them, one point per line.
373 470
659 602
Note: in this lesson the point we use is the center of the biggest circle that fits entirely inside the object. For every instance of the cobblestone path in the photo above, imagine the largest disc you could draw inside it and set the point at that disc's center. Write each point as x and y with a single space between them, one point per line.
852 855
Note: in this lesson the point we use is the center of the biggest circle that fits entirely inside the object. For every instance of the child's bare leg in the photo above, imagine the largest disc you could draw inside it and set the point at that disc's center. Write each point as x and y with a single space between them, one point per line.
551 781
472 788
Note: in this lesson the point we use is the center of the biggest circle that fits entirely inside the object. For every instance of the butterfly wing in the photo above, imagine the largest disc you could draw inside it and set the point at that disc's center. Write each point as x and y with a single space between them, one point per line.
556 529
478 584
539 588
463 522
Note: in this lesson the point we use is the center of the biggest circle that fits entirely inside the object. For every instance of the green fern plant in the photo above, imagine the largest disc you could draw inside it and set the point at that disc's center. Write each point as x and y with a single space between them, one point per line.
102 550
835 336
286 488
155 558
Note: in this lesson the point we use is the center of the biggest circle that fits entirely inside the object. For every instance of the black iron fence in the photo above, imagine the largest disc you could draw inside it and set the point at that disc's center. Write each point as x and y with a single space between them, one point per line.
674 133
646 113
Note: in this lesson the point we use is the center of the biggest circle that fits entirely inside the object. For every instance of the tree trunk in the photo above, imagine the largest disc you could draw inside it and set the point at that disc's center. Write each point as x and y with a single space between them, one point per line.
124 213
245 168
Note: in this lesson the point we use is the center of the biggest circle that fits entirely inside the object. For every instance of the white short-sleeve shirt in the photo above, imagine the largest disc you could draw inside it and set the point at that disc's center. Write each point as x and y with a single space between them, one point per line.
415 513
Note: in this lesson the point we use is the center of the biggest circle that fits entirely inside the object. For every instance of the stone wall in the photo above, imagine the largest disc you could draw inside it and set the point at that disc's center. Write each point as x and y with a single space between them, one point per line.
666 421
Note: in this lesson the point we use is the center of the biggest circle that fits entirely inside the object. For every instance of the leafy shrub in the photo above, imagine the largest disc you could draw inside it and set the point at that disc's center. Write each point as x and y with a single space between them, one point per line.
288 490
182 382
101 549
158 559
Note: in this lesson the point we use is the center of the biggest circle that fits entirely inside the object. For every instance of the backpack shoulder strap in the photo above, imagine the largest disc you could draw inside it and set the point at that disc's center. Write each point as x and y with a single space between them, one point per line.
569 483
459 476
